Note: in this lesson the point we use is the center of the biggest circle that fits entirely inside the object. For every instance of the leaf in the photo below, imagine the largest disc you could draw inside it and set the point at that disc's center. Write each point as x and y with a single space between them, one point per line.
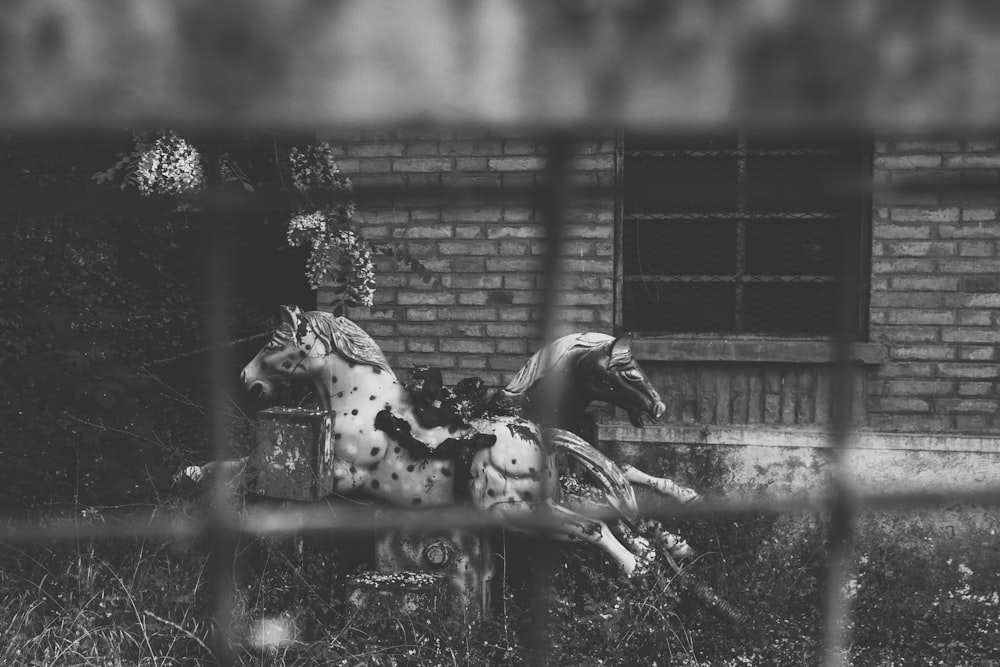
248 187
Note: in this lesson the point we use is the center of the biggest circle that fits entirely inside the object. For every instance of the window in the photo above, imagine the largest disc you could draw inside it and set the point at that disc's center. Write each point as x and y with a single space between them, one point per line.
741 234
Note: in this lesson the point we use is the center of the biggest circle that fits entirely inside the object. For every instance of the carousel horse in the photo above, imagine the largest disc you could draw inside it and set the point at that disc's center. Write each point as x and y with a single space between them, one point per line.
562 379
384 449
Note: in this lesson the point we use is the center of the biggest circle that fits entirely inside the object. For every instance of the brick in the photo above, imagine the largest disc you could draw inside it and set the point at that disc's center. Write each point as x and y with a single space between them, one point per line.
375 166
519 147
923 352
980 283
907 369
911 422
512 330
975 388
421 314
933 283
441 231
980 405
586 298
970 353
975 318
910 334
519 282
512 346
426 298
969 370
904 265
470 164
886 231
925 214
927 146
482 214
471 148
469 264
914 316
468 248
921 249
969 265
411 360
978 214
421 165
500 297
502 264
977 249
515 247
599 231
588 265
468 313
973 161
593 163
527 298
928 161
517 164
472 298
919 387
499 362
470 232
422 148
973 423
982 301
898 404
968 335
983 230
907 300
472 282
375 150
467 346
471 181
421 344
518 214
472 362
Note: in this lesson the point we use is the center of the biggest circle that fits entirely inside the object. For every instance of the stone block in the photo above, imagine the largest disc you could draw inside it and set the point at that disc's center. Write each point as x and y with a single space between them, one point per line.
294 454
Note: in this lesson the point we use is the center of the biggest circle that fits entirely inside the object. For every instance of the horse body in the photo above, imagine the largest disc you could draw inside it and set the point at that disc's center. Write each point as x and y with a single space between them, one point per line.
562 379
511 476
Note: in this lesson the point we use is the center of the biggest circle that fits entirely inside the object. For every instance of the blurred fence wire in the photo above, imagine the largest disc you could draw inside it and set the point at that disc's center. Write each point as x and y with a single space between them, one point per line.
559 66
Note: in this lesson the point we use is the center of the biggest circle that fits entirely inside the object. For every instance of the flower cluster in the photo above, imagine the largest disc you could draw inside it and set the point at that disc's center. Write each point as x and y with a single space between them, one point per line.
314 168
328 239
170 166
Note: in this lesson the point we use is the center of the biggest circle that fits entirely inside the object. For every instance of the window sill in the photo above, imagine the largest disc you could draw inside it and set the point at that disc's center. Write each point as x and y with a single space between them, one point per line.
772 350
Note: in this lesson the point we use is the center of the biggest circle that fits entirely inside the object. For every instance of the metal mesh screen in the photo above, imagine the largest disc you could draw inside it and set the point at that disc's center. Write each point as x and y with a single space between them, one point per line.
740 233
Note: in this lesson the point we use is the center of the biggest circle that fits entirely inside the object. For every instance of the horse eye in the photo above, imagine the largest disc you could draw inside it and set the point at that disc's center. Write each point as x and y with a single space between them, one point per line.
632 374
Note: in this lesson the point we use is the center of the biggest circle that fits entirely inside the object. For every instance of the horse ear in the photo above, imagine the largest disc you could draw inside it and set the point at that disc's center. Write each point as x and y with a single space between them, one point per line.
622 346
290 315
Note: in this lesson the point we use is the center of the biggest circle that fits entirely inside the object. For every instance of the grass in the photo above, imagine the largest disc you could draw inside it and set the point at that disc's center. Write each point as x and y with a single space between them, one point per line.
924 592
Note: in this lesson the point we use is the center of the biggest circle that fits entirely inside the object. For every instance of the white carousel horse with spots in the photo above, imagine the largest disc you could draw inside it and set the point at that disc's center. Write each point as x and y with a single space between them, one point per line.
383 450
563 378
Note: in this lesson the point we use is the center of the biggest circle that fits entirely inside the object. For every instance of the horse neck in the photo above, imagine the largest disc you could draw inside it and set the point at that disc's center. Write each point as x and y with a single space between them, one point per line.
340 377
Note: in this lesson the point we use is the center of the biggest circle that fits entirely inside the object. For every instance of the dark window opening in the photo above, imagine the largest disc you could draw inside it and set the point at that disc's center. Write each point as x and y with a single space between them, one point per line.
743 234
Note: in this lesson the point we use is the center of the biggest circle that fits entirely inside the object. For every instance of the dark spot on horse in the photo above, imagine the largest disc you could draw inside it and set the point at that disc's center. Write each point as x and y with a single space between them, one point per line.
336 436
531 470
302 353
351 364
513 462
334 379
395 450
371 398
446 472
375 451
528 496
354 412
417 501
355 389
353 470
490 492
377 371
452 428
286 365
409 468
340 394
375 484
395 475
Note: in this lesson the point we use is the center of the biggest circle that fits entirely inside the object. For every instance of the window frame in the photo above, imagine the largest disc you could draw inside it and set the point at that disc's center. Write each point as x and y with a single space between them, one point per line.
789 347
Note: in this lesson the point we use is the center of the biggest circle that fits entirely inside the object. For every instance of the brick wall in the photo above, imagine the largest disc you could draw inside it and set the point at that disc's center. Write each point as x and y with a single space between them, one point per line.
480 316
935 298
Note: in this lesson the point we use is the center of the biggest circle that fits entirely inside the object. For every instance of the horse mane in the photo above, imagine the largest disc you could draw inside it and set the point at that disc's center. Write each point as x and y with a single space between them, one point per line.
347 338
550 356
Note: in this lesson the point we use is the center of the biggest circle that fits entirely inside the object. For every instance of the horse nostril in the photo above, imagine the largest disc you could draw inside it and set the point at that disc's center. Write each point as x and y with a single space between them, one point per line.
257 390
659 409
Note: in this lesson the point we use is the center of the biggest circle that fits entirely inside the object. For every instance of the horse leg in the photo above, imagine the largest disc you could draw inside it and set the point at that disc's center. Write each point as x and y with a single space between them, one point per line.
662 485
597 533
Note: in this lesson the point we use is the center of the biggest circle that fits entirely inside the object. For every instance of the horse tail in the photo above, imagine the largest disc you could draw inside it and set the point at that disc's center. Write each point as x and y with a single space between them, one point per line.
606 472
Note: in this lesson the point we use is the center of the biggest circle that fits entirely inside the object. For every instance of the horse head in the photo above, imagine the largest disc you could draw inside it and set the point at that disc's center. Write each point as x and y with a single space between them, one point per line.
611 374
294 352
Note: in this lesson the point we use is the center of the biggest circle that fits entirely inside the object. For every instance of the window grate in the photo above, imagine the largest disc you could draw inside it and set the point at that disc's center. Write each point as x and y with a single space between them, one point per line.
740 234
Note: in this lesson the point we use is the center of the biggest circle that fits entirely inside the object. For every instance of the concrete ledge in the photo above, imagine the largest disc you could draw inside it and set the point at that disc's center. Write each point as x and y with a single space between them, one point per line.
761 436
790 351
